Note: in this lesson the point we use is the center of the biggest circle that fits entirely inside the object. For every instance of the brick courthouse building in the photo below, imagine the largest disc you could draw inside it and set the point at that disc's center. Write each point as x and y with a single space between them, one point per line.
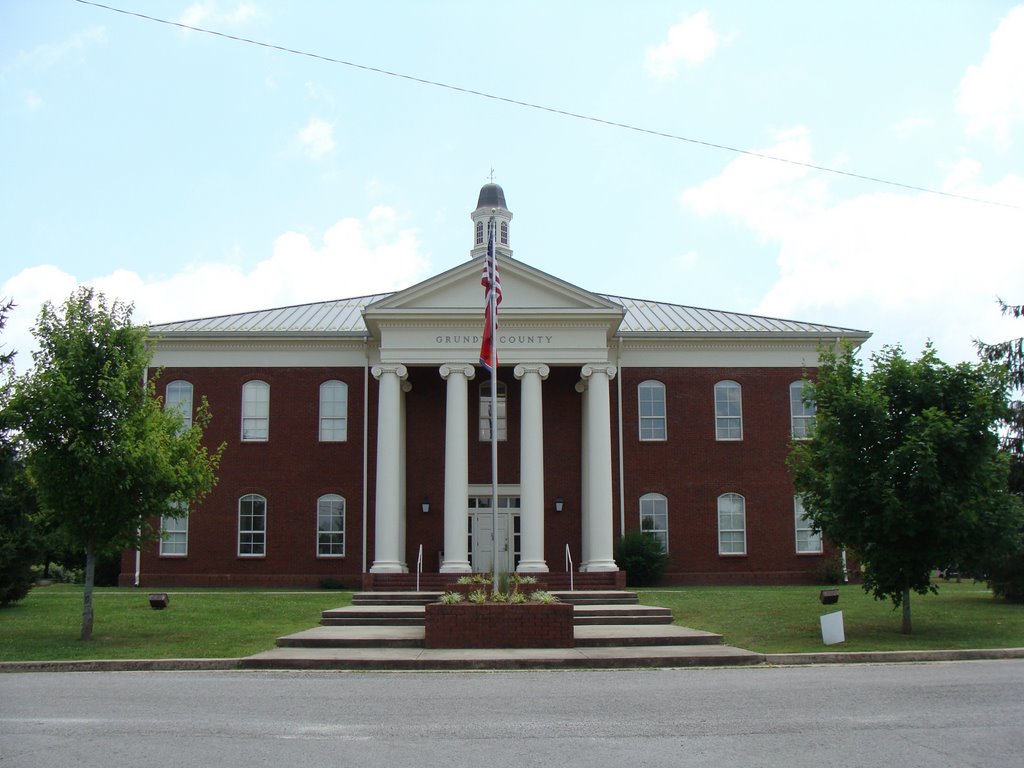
358 430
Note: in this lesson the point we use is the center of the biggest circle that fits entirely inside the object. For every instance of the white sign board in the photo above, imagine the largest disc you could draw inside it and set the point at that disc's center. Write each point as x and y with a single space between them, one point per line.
832 628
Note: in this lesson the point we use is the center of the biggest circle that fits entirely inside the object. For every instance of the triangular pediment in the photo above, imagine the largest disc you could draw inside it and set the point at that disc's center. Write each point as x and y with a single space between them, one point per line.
525 290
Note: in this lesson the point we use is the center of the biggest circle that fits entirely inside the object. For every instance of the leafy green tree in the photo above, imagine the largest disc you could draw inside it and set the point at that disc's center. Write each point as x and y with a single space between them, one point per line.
904 467
106 458
1006 573
17 544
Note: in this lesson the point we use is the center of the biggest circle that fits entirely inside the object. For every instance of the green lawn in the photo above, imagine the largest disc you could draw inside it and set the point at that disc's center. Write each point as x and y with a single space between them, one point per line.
198 623
786 619
212 623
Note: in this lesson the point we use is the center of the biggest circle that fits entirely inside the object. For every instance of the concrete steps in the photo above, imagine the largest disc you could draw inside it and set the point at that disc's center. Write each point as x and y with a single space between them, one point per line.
384 630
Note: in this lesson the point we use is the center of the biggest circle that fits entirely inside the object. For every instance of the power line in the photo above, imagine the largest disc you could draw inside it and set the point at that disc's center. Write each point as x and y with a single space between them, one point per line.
552 110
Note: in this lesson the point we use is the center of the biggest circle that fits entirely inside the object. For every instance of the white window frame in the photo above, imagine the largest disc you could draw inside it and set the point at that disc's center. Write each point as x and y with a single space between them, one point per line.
178 397
654 517
485 411
255 411
333 411
807 541
802 415
330 507
174 533
652 425
730 528
256 543
728 411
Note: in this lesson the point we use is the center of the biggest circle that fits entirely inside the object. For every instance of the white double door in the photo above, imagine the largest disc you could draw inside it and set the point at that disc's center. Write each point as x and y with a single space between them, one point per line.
481 541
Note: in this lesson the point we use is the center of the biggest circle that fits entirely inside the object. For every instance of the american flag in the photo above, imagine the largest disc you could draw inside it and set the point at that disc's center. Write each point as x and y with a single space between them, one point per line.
492 285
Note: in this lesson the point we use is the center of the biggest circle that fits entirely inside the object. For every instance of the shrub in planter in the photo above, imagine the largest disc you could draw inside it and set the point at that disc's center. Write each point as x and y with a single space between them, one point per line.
640 555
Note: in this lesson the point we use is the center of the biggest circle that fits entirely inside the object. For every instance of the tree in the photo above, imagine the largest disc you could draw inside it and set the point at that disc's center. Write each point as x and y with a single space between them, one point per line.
1006 573
904 467
106 458
17 544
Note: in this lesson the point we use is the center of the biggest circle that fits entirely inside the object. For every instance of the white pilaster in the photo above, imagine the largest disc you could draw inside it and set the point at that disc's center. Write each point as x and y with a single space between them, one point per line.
531 468
598 523
456 468
403 512
387 555
584 553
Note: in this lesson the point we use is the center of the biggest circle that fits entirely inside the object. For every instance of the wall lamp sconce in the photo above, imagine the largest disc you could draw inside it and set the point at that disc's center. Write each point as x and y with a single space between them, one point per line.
559 504
425 504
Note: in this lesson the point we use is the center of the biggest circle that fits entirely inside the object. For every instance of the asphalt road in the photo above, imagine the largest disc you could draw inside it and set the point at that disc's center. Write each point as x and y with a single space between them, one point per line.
934 715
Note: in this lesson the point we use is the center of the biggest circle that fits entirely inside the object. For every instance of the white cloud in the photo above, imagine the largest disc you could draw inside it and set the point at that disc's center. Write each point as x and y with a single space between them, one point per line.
356 257
908 266
991 94
46 55
210 12
317 138
692 41
909 126
33 100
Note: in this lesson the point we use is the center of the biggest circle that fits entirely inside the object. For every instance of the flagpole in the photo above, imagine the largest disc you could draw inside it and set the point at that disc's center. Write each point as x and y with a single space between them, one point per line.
493 312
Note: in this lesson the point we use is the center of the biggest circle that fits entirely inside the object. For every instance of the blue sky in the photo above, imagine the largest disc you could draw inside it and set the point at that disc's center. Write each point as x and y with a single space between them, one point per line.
195 175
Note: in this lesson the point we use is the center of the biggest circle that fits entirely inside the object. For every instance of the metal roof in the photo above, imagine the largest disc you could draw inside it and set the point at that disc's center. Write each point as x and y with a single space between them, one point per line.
338 317
644 318
344 317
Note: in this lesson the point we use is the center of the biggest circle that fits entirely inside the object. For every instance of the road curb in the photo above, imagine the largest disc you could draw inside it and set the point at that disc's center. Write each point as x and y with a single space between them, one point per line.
769 659
891 657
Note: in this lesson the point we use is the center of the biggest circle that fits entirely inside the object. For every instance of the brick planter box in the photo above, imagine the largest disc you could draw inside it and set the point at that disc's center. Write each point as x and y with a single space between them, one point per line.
499 625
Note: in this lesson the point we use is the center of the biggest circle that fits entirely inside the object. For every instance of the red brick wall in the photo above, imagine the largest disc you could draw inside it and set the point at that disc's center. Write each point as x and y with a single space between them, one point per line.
499 625
692 469
292 469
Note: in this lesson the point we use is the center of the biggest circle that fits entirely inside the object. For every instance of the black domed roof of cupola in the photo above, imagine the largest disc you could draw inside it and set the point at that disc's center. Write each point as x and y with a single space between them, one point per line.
491 196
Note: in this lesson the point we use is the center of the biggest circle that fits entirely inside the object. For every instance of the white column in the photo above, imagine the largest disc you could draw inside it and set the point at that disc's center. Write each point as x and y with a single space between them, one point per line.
387 555
403 511
456 468
584 552
531 468
598 515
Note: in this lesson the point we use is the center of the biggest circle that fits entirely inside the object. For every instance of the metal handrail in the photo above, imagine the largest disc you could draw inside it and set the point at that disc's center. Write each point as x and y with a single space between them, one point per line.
419 567
568 566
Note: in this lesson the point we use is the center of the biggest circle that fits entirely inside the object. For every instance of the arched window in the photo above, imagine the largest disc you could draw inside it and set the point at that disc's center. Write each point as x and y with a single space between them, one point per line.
252 526
732 524
479 233
807 541
504 233
654 517
728 411
255 410
485 411
333 411
652 410
178 397
801 413
330 526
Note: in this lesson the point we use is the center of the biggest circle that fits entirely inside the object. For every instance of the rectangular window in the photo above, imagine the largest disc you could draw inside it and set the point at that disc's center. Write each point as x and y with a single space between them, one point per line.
174 535
255 411
652 410
330 526
801 413
807 541
728 411
732 525
252 526
333 411
485 411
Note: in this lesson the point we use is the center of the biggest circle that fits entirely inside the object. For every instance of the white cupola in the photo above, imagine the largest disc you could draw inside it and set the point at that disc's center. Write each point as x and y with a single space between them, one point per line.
491 202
